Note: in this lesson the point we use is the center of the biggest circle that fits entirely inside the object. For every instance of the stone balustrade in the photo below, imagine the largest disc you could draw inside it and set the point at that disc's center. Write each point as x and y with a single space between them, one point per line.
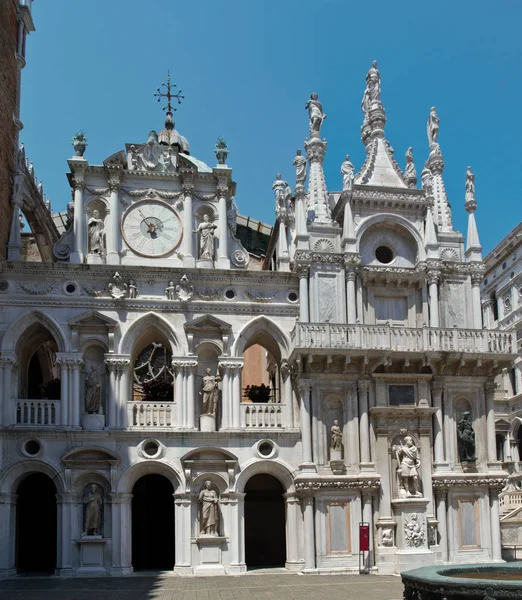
261 415
150 414
333 336
509 501
39 413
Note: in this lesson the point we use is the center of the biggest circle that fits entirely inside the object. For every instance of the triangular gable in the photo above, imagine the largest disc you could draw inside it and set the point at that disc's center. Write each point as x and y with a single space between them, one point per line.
91 319
118 159
207 322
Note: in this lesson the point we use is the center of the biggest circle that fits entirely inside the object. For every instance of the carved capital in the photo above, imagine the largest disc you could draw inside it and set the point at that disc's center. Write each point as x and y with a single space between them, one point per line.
302 270
117 364
489 386
432 277
78 182
230 365
363 385
222 190
114 185
187 188
437 386
476 278
350 274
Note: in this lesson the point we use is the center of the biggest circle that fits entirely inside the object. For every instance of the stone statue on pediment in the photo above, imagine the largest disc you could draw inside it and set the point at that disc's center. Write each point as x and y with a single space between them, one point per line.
210 393
96 233
206 231
209 510
315 115
433 128
347 172
408 460
466 438
300 168
336 442
470 185
93 389
93 512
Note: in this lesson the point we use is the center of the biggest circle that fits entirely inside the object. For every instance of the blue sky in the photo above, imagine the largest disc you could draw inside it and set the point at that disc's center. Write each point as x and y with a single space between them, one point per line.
247 68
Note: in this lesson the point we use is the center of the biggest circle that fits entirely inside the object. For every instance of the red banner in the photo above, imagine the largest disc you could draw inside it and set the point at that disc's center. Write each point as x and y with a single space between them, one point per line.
364 538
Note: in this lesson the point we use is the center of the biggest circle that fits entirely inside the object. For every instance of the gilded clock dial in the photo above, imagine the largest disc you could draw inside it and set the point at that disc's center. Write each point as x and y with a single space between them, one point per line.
151 228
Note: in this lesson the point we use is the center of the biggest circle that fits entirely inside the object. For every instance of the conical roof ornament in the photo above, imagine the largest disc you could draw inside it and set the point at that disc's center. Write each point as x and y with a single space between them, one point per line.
473 246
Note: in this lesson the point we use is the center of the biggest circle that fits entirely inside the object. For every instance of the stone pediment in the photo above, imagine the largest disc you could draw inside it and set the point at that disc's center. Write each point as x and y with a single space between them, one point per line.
92 319
89 455
207 323
118 159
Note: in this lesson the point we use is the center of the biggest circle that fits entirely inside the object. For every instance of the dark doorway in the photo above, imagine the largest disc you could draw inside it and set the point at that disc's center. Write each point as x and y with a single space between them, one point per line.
265 539
36 524
153 524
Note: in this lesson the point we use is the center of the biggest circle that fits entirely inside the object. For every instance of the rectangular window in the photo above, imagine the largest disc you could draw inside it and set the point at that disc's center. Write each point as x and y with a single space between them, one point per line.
338 528
399 395
468 524
390 310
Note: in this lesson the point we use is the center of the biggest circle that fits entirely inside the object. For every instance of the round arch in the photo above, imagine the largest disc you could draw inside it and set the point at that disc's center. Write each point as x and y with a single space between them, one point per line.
275 467
14 474
265 332
149 467
383 219
141 325
16 330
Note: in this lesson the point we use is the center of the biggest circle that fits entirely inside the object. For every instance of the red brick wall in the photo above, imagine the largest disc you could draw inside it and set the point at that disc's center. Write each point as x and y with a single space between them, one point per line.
8 92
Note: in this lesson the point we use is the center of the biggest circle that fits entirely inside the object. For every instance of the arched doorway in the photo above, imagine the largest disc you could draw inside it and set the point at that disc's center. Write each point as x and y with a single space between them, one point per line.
36 524
265 539
153 523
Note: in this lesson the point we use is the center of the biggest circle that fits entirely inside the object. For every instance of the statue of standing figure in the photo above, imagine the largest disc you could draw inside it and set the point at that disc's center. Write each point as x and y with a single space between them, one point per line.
315 115
93 511
96 233
336 442
410 173
93 392
466 438
470 185
433 127
206 231
280 188
408 470
209 515
210 393
372 93
347 172
300 167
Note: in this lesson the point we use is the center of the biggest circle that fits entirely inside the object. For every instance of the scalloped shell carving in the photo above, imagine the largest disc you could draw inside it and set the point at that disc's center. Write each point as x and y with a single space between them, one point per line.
324 245
449 254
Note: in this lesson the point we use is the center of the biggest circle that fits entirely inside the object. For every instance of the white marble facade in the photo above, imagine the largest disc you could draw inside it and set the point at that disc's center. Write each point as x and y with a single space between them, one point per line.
369 311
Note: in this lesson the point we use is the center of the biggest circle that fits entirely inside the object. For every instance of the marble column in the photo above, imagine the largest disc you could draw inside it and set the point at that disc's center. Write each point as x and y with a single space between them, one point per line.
182 539
76 398
294 561
223 260
64 388
441 495
433 282
241 528
121 534
188 226
64 536
490 420
7 534
190 367
496 546
351 301
226 396
114 233
351 436
124 394
287 400
438 440
306 426
367 517
476 308
235 499
364 426
383 468
14 245
304 310
78 251
9 365
235 371
111 400
178 393
309 541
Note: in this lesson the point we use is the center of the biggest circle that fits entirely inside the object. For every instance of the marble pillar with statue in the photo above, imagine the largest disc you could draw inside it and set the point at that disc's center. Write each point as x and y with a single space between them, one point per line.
209 400
336 448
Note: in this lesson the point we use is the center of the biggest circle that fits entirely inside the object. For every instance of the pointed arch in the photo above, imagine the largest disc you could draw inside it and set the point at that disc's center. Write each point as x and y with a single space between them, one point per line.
267 333
24 322
149 320
279 469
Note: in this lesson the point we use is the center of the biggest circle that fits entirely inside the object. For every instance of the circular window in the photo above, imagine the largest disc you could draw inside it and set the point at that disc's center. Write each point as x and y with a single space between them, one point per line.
4 286
151 448
32 447
293 297
70 288
384 254
265 449
230 294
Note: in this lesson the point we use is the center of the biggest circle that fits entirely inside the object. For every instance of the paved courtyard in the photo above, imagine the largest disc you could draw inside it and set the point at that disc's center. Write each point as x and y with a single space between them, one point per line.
167 587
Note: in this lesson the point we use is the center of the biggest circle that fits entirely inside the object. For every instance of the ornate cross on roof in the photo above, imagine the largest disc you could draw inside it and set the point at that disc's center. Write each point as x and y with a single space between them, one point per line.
169 95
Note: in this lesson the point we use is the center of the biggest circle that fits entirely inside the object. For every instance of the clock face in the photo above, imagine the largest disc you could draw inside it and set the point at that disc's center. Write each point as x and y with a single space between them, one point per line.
151 228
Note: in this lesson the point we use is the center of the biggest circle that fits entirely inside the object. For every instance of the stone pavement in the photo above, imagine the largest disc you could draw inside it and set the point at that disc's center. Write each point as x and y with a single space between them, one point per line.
240 587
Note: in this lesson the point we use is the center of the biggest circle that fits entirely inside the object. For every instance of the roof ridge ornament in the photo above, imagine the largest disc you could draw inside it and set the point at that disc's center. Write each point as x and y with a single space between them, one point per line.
169 123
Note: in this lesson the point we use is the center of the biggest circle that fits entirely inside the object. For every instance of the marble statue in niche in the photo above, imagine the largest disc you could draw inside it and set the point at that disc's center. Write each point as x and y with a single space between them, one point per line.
466 438
206 231
210 393
315 115
209 510
408 460
93 392
336 442
347 171
96 234
300 167
93 511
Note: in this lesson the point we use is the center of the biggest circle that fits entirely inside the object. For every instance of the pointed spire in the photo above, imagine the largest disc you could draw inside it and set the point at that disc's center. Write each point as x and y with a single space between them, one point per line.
473 247
430 237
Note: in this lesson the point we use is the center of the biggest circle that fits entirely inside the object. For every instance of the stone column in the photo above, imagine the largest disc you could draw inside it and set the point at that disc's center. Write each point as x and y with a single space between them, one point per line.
123 391
304 309
235 370
118 366
383 468
283 256
293 513
440 495
476 278
223 260
182 539
114 233
486 314
79 236
241 528
65 503
306 425
490 420
351 301
121 534
190 367
7 534
433 281
226 396
188 226
112 399
364 427
496 546
76 362
367 517
438 440
287 397
9 365
62 360
309 541
14 246
178 393
351 435
235 499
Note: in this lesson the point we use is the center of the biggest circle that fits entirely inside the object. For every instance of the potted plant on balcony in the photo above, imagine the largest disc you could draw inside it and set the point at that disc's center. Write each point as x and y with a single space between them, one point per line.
258 393
158 391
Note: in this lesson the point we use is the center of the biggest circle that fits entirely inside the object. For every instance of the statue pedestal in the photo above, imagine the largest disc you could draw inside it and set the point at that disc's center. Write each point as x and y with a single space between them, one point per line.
411 534
336 462
204 263
94 259
210 555
207 423
92 563
93 421
335 455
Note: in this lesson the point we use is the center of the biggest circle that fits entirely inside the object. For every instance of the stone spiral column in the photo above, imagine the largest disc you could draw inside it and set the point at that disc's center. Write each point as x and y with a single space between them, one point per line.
188 235
114 237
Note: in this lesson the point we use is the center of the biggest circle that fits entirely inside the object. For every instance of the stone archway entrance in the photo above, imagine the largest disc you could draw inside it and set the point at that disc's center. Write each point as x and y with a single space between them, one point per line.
265 523
36 523
153 523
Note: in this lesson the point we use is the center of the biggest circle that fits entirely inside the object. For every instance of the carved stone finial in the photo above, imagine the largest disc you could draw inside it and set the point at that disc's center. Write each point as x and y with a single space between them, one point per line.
471 203
221 150
79 142
410 173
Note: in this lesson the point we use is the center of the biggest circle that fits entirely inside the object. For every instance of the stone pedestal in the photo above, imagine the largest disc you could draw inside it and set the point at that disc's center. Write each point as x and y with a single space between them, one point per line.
93 421
336 462
94 259
92 556
210 562
411 534
205 263
207 423
386 546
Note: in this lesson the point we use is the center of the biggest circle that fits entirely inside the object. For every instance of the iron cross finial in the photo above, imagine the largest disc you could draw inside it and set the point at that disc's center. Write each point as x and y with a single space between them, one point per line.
169 95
